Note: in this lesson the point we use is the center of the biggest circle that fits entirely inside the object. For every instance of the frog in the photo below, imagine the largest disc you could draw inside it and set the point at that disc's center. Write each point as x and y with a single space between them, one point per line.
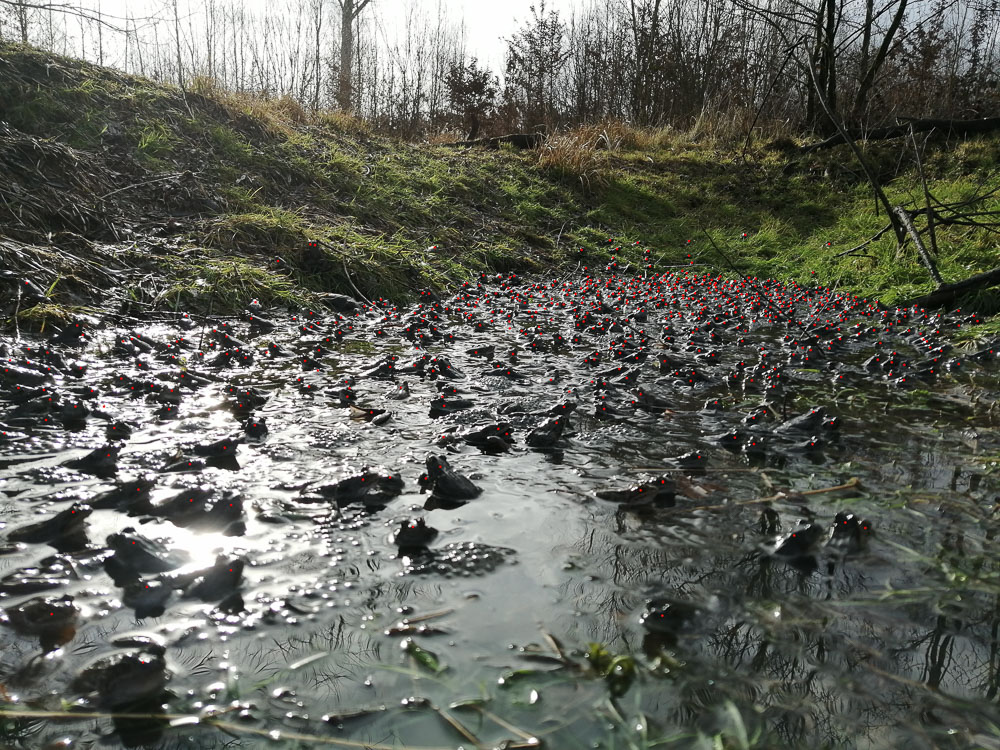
254 427
125 493
808 422
446 482
118 430
667 616
400 392
849 534
128 677
446 405
219 581
220 448
657 491
143 555
547 433
485 436
51 619
147 597
372 487
801 542
412 534
64 531
204 509
650 402
101 462
811 446
692 462
755 447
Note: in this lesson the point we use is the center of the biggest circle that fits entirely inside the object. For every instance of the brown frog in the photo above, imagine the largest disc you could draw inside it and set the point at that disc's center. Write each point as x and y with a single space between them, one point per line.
125 678
64 531
52 620
218 582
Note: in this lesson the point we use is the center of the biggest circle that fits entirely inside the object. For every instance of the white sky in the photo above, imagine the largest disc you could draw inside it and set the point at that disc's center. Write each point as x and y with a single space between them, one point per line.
487 22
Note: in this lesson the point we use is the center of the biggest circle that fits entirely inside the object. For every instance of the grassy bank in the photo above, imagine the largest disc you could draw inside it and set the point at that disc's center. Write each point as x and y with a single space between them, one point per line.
214 198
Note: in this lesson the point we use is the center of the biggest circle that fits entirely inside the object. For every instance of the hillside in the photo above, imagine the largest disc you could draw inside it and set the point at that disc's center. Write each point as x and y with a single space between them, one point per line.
196 195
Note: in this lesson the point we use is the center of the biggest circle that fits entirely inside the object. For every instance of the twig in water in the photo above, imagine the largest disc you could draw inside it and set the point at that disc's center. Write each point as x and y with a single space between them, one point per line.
458 726
17 310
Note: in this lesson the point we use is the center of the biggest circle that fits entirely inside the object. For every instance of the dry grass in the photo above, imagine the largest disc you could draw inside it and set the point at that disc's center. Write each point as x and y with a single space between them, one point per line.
730 128
578 152
342 122
279 114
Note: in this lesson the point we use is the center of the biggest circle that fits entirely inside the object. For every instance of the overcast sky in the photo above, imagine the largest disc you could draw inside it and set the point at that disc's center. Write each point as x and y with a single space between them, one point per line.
486 21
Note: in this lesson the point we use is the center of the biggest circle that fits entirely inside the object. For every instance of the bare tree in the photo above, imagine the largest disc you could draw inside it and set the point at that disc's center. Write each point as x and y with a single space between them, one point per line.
349 12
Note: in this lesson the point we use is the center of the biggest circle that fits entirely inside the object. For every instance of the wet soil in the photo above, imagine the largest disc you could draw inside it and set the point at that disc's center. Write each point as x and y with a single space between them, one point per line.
682 428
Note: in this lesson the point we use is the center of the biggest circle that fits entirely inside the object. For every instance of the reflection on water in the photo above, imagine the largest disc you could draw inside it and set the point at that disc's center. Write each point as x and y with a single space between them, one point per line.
889 643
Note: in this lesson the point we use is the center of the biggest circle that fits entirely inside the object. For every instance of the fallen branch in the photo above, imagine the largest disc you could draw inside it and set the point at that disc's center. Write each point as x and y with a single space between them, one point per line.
907 221
870 240
950 127
946 293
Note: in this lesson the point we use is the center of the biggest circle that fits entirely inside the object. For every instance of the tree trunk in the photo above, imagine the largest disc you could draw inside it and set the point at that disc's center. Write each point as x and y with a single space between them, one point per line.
346 54
177 40
316 71
864 88
22 21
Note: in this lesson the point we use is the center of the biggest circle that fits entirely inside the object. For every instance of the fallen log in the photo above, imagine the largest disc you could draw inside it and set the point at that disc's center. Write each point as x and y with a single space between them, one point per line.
919 125
517 140
947 293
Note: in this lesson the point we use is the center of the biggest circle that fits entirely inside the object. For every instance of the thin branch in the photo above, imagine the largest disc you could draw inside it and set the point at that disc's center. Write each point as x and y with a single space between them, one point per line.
927 193
907 221
870 240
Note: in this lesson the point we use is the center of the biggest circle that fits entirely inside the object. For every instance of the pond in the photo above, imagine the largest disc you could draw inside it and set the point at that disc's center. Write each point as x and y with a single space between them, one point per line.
674 511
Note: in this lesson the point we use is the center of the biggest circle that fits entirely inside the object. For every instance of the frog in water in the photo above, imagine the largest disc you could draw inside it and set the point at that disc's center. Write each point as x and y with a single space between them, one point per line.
141 554
667 616
850 534
658 491
64 531
101 462
802 542
147 598
52 620
413 534
547 433
125 678
373 487
126 493
446 482
216 583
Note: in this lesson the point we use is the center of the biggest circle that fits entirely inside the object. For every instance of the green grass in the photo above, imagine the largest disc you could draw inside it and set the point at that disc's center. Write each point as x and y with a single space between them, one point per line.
276 182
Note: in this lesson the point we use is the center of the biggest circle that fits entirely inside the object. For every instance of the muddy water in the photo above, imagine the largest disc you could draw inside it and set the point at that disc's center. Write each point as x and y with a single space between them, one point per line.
891 639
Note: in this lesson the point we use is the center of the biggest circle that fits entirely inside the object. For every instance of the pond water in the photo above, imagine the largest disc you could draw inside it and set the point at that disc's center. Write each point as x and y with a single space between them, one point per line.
706 421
